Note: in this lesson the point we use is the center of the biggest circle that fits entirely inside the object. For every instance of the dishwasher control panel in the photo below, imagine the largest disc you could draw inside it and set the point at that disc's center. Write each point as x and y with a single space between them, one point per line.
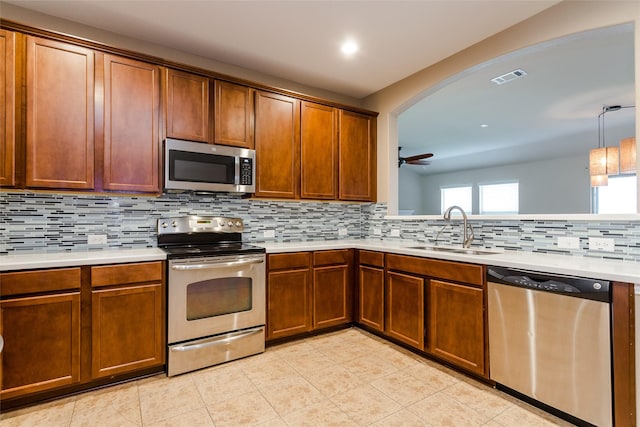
594 289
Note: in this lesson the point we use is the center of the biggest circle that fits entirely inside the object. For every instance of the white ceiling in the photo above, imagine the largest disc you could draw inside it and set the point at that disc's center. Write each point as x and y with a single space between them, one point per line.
299 40
549 113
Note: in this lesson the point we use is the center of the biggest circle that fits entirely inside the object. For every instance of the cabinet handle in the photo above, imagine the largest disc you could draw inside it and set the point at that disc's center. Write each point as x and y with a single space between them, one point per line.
226 339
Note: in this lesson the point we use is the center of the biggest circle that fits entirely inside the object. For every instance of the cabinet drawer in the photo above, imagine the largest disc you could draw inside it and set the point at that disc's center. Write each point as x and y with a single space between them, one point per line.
289 261
341 256
375 259
118 274
29 282
468 273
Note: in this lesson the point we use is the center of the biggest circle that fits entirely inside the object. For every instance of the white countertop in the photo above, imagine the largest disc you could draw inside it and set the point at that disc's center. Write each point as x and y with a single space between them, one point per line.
623 271
595 268
70 259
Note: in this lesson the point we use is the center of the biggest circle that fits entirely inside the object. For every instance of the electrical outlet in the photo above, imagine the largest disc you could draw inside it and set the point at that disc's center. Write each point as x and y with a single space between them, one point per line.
601 244
395 233
377 232
269 234
97 239
343 232
568 243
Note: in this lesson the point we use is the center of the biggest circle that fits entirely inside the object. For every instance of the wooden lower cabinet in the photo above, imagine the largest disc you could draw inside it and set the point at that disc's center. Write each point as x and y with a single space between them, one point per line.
308 291
456 325
126 329
288 295
371 297
73 328
41 343
332 288
404 318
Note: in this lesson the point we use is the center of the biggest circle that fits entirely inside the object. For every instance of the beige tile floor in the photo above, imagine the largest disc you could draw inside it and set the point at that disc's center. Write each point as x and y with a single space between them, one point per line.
345 378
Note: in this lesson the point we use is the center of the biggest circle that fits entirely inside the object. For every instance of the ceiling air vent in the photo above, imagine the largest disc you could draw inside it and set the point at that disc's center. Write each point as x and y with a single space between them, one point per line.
506 78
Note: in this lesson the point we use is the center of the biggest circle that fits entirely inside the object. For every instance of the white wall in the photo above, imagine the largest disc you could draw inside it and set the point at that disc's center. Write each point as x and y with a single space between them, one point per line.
551 186
410 191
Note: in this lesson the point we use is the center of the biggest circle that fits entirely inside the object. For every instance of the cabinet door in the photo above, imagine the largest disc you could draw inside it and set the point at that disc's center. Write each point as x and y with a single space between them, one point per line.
187 106
131 121
332 299
288 303
277 133
318 151
456 325
357 161
371 297
233 115
405 309
60 108
7 108
127 329
41 343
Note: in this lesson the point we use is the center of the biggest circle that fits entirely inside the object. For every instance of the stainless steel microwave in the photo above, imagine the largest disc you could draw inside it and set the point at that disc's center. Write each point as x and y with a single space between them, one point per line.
195 166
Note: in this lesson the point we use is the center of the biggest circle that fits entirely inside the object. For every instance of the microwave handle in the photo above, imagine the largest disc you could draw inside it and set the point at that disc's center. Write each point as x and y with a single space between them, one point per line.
184 267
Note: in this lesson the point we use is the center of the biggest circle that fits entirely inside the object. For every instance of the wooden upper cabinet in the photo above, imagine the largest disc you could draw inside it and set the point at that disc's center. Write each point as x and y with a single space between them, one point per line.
188 109
131 125
277 139
7 108
357 170
233 113
318 151
60 108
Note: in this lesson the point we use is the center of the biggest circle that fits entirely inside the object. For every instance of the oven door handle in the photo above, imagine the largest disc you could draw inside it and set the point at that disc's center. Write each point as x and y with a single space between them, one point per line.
226 339
183 267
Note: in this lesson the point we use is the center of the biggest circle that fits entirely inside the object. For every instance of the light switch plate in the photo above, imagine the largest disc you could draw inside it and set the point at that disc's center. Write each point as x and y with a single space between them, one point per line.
269 234
343 232
97 239
568 243
395 233
601 244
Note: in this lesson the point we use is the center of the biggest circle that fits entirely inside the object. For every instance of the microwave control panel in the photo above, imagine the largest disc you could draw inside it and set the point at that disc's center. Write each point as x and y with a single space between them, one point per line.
246 171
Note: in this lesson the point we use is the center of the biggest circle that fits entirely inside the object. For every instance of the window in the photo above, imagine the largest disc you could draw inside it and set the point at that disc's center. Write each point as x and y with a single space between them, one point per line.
499 198
620 196
460 196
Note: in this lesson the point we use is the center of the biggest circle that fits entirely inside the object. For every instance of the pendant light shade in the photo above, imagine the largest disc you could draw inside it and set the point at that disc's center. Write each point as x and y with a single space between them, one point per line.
604 161
600 180
628 150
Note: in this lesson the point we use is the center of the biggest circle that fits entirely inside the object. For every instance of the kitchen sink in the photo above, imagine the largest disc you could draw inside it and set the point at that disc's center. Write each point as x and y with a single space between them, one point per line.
466 251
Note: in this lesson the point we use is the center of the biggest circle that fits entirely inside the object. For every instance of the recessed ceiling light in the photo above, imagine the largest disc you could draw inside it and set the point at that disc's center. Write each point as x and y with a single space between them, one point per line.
349 47
484 126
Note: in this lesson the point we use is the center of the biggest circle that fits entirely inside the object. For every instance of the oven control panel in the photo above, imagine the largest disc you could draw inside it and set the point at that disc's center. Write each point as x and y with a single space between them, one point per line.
200 224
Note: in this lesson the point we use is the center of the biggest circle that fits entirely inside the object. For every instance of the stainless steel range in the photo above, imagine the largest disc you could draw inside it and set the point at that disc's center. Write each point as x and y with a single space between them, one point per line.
216 292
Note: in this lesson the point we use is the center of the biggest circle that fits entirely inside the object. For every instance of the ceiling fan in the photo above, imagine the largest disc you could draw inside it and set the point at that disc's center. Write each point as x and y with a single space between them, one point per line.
419 159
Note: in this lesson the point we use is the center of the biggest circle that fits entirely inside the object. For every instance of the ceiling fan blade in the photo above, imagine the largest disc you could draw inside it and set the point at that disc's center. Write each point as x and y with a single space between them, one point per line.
419 162
412 159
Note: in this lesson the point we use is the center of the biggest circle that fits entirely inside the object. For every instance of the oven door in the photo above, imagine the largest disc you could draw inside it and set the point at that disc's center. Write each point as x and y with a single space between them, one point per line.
214 295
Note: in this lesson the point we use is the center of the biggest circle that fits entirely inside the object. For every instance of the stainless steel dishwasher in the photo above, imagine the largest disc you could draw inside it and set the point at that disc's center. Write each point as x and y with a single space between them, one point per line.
550 340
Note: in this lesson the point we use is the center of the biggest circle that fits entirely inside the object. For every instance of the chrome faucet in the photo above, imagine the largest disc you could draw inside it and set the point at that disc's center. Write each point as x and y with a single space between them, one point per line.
467 228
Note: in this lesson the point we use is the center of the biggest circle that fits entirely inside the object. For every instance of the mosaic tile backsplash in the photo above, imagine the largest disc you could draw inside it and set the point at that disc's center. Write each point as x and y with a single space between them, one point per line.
37 222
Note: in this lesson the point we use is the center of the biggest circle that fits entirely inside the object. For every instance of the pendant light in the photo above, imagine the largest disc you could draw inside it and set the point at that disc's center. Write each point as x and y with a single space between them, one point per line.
600 180
628 151
603 161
